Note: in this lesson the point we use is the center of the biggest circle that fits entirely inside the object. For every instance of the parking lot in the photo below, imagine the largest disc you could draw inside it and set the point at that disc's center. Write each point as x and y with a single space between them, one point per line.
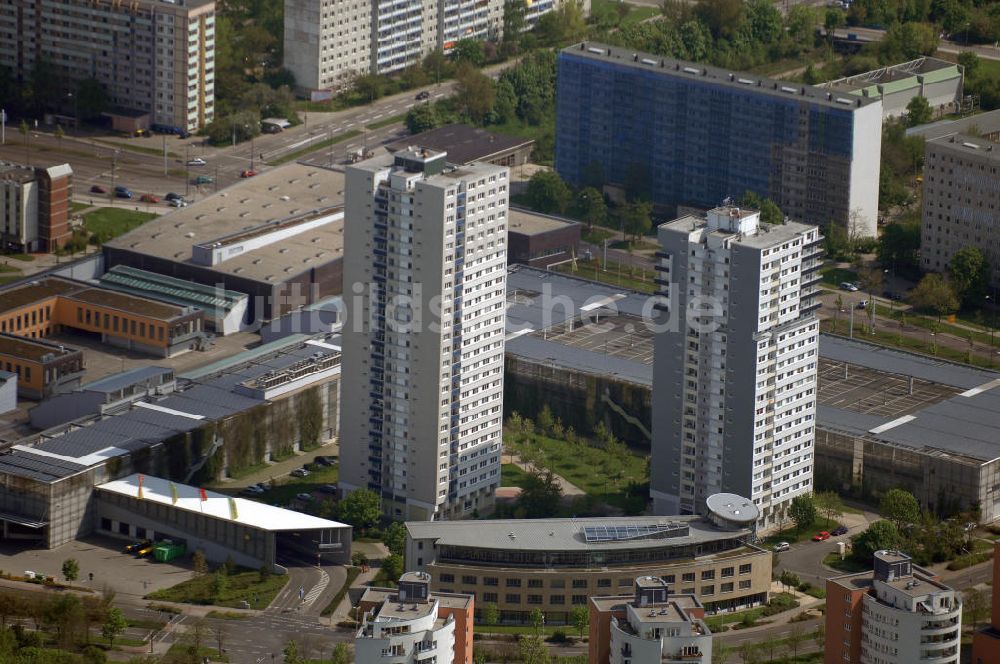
100 556
875 392
619 335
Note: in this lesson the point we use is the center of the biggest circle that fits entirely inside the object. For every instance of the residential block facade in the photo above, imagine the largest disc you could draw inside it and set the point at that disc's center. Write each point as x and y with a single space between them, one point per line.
961 200
735 365
689 135
156 56
425 267
895 614
34 207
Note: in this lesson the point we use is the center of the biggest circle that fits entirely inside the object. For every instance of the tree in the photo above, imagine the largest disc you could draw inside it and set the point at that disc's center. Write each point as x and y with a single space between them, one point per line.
540 495
114 625
899 244
591 208
513 20
469 50
65 613
359 559
579 616
918 111
976 605
536 618
819 636
422 117
900 507
548 193
723 17
91 99
199 563
795 639
475 92
394 538
291 653
60 132
803 511
831 21
830 504
219 630
532 650
878 536
220 582
935 295
749 654
491 614
71 569
392 566
23 128
341 654
362 509
636 218
970 274
789 579
368 86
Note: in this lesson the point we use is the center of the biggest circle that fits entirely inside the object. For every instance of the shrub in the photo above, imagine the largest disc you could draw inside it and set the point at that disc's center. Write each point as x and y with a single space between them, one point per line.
558 636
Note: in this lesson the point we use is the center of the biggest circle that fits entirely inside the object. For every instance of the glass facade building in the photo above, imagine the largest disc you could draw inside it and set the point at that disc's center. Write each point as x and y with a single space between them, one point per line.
690 135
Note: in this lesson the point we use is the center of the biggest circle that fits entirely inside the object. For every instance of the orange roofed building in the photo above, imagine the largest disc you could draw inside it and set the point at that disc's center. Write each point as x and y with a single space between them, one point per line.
409 624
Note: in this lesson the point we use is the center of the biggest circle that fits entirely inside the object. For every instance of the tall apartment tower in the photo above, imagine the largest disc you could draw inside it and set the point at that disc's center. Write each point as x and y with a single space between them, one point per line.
424 279
156 56
34 207
691 135
897 613
734 378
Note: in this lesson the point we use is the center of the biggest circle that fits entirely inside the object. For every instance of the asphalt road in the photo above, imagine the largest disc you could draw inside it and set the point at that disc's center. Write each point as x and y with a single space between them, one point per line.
945 45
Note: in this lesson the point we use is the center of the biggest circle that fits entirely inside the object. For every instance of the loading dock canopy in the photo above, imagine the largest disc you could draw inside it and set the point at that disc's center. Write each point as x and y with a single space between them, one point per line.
218 505
22 521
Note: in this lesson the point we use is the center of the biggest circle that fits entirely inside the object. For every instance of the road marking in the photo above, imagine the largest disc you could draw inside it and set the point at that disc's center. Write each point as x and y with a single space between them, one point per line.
317 590
377 116
410 105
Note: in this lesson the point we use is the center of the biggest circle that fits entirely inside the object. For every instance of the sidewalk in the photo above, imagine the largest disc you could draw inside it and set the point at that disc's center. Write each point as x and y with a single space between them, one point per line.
568 488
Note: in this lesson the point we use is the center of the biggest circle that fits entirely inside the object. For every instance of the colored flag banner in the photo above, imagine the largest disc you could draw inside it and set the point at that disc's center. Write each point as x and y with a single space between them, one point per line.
173 493
233 514
204 497
141 478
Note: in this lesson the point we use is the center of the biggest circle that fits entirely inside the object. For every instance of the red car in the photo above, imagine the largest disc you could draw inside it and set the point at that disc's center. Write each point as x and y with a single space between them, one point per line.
821 536
98 189
248 173
150 198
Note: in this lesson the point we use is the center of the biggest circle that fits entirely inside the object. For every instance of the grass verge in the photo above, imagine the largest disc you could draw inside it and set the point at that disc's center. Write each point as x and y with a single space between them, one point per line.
385 122
848 565
352 575
239 587
834 276
292 156
24 258
179 652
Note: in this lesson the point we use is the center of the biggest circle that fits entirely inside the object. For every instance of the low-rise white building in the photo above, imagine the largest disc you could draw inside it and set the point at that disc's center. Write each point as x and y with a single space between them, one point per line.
409 624
650 626
8 391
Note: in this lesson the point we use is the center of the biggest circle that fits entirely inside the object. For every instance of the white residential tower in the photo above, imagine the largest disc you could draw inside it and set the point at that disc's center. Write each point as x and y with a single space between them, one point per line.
734 380
424 281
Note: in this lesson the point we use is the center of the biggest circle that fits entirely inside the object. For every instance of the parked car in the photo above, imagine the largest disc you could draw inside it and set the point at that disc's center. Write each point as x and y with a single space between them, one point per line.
252 490
329 488
307 497
863 304
178 202
173 197
423 95
848 286
262 486
821 536
892 295
123 192
98 189
326 460
300 472
839 530
150 198
782 546
197 161
248 173
203 179
135 546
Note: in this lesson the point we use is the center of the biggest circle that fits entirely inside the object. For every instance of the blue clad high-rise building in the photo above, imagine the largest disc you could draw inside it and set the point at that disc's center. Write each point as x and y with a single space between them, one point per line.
690 135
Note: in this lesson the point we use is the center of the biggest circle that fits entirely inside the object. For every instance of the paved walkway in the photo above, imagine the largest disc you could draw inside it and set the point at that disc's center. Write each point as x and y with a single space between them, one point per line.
568 488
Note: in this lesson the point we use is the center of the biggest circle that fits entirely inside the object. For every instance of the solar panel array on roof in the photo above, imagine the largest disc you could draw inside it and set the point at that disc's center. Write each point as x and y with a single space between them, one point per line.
38 467
621 533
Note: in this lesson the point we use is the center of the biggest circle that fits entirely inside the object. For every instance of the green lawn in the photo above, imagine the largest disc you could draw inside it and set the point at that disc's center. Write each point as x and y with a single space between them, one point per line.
631 245
241 586
107 223
635 279
577 463
315 147
848 565
24 258
511 475
179 650
834 276
288 486
892 338
930 323
8 273
75 207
